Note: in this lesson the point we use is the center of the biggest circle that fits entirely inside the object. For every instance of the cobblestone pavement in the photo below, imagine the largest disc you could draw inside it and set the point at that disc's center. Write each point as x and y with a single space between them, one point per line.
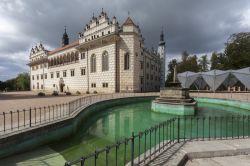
12 101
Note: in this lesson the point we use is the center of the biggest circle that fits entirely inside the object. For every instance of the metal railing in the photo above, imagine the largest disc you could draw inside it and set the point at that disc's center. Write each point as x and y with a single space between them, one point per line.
141 147
13 121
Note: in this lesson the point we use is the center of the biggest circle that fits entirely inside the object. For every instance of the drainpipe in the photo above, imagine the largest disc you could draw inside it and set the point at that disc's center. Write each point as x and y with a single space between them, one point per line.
88 68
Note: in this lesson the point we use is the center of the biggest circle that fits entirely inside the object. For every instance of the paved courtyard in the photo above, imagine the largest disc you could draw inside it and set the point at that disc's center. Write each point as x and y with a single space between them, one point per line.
207 153
12 101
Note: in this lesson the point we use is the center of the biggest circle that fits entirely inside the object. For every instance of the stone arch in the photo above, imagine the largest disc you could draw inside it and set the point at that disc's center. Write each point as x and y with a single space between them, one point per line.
105 61
93 63
126 61
72 56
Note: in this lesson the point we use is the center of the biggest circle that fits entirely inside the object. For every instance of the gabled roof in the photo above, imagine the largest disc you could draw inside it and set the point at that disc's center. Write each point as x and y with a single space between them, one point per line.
129 21
75 43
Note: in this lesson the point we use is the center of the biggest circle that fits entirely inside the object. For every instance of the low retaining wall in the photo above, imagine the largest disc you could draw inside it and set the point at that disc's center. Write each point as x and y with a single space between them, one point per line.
226 102
48 133
223 95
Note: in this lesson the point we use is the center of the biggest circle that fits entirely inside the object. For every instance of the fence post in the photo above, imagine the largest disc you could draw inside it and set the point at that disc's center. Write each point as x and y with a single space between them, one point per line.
11 120
178 130
30 115
4 121
18 119
132 149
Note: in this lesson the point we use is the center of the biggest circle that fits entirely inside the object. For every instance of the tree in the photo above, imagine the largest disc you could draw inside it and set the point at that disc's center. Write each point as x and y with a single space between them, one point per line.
188 63
237 51
203 63
218 61
184 56
23 81
171 65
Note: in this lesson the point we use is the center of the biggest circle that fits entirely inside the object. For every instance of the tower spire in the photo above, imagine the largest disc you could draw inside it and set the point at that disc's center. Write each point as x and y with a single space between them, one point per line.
65 38
162 42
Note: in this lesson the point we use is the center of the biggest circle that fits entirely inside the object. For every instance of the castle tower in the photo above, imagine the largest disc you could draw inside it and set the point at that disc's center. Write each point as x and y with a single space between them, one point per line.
65 38
161 52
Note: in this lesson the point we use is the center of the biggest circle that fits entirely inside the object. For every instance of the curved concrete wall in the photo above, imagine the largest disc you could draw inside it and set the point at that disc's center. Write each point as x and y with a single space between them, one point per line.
49 133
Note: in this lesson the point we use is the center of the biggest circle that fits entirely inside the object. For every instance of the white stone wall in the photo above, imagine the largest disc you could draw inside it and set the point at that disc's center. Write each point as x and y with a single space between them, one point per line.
126 76
100 77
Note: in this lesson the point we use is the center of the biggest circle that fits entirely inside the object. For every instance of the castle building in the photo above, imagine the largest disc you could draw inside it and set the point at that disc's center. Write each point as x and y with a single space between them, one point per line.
106 58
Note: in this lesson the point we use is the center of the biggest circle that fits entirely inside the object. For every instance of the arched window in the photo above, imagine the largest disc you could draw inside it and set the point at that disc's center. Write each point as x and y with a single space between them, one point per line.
68 58
105 61
72 57
61 60
65 58
58 61
49 63
76 56
126 61
93 63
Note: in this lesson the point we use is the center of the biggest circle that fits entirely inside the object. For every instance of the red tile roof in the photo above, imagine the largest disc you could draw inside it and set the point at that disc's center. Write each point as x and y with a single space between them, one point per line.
129 21
75 43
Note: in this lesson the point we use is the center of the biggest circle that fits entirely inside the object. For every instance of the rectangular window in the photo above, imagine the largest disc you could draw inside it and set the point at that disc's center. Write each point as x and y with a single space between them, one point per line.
93 85
141 65
33 78
37 77
141 80
45 64
83 71
57 74
41 76
83 55
102 33
65 73
51 75
72 72
45 76
105 85
41 86
126 61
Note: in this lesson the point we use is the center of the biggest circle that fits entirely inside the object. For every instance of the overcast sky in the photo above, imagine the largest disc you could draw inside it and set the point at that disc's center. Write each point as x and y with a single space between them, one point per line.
198 26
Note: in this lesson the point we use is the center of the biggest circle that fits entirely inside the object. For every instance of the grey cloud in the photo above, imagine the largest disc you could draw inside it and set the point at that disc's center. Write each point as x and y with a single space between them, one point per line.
194 25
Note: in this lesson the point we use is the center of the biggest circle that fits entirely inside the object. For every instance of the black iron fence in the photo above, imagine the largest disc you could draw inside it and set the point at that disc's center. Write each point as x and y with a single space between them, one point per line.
27 118
141 147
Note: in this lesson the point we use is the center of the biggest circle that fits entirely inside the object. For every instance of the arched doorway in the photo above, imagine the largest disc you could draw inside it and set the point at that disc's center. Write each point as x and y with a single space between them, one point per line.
61 84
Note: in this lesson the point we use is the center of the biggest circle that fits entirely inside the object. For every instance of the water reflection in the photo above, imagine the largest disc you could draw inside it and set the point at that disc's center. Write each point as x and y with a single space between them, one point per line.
106 127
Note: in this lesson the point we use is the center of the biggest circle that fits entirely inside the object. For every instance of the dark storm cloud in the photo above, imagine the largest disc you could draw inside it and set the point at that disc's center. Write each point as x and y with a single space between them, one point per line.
197 26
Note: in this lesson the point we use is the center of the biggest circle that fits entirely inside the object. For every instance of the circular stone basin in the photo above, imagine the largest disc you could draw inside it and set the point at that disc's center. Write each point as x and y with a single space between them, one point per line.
174 108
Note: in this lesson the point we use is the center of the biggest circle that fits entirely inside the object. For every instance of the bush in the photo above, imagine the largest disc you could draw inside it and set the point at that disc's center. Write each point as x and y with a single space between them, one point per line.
95 92
78 93
55 93
68 93
87 92
41 94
